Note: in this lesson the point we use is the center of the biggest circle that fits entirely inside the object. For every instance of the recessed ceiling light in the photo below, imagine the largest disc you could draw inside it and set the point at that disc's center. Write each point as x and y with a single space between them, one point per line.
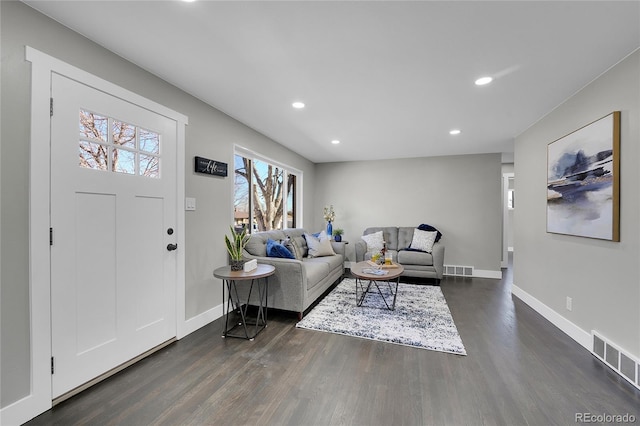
483 80
188 1
335 141
454 132
298 105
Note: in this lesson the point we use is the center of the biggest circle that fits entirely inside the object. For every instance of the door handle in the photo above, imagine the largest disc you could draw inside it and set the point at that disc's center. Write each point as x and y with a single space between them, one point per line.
172 247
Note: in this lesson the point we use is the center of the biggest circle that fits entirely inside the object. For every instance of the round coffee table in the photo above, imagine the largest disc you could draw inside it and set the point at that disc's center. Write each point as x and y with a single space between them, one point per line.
363 271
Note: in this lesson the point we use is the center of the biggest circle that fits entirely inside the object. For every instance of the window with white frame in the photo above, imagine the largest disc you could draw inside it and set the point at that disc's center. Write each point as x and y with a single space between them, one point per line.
265 193
117 146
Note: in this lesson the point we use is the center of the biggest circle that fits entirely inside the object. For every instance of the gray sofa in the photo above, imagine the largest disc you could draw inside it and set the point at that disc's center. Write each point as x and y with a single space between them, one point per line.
296 284
416 263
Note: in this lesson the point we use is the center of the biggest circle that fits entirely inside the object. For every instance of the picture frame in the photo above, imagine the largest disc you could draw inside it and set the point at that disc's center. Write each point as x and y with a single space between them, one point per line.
583 181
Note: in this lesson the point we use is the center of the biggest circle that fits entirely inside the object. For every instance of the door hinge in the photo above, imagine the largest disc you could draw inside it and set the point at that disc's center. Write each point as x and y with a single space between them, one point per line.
52 366
50 236
50 107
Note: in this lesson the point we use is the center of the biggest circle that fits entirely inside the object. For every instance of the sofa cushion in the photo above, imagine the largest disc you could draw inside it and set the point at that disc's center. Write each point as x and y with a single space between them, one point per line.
375 241
316 270
319 247
257 244
276 249
407 257
292 245
405 236
389 235
332 262
425 227
423 240
302 243
320 235
297 234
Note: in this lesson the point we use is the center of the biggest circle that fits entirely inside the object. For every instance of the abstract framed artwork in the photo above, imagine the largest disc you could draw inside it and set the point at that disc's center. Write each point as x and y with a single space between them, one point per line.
583 181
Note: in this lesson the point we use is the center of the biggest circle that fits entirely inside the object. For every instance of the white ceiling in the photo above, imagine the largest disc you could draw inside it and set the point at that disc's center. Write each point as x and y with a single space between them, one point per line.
389 79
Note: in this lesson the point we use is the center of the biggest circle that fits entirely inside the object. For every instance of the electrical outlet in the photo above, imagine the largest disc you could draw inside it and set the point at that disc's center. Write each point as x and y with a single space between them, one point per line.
569 303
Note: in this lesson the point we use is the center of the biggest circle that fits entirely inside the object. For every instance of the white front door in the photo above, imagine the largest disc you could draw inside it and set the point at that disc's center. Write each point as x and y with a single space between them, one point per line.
113 204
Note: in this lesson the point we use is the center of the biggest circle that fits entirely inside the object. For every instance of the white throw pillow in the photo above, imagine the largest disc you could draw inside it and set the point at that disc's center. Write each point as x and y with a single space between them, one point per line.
423 240
319 247
375 241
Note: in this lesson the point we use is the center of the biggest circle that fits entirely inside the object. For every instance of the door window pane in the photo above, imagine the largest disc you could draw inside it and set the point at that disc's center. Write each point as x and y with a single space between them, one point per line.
124 134
149 166
149 141
93 155
124 161
93 126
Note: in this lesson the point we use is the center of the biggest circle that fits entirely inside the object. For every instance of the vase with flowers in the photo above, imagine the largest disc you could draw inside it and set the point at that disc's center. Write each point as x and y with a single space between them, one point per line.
329 216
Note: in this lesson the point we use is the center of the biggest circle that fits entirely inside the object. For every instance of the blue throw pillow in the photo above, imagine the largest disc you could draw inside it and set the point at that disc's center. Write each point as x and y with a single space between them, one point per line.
425 227
275 249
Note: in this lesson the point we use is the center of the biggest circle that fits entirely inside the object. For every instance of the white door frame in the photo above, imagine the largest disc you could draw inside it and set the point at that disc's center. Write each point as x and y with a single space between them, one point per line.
42 66
505 218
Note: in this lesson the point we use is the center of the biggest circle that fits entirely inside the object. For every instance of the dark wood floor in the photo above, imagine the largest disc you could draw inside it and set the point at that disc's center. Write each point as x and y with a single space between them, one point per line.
520 370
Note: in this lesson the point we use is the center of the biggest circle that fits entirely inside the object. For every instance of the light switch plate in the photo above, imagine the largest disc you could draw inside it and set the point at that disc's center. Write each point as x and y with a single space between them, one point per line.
189 204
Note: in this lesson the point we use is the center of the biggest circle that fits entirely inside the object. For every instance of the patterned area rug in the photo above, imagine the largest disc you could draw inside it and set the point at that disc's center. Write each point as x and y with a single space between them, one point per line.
421 319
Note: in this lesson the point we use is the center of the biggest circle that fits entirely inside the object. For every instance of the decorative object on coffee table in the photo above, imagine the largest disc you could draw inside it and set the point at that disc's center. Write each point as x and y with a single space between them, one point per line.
329 216
337 235
235 245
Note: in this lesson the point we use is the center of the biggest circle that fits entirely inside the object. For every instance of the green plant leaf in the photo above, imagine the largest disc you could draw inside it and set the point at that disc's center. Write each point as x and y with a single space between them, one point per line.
235 247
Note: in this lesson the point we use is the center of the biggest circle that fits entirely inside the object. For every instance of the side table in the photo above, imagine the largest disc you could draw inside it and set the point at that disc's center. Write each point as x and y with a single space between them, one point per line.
257 278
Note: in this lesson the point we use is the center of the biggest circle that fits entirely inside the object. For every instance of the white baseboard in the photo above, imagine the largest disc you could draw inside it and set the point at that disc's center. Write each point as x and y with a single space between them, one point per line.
22 411
200 320
570 329
483 273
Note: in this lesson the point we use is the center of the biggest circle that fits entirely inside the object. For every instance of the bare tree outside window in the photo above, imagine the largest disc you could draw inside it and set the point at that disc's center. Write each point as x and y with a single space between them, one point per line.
260 190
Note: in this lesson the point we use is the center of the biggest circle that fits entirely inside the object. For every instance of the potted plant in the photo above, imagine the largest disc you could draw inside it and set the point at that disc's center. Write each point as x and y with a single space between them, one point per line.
337 234
235 245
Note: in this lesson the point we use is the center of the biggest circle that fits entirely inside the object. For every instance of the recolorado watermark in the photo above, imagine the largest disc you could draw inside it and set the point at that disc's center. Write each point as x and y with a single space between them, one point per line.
604 418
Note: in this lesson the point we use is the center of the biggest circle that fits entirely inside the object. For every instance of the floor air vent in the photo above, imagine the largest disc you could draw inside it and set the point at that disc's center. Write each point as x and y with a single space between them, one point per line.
620 362
458 271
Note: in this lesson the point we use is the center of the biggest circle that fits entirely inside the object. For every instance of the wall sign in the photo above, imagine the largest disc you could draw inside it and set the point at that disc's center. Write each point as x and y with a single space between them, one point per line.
210 167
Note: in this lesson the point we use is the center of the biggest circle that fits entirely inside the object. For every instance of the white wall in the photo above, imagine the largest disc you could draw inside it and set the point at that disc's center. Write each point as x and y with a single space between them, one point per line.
601 277
210 134
459 195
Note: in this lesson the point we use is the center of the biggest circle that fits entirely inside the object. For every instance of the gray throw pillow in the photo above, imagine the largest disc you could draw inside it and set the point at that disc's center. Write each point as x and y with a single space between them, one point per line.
319 247
294 248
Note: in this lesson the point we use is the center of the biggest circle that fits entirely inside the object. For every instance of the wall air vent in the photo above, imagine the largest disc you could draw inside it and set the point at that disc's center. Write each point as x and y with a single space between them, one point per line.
458 270
613 356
